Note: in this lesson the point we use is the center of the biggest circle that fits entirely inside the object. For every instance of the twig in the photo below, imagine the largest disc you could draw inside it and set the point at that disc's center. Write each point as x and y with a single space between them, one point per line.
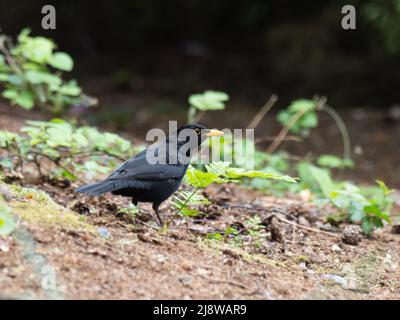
97 153
275 210
262 112
198 116
269 138
285 130
57 163
248 207
342 128
234 283
307 228
182 206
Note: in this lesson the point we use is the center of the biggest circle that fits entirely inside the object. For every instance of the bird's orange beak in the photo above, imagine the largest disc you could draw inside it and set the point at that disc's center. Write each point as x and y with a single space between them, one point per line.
214 133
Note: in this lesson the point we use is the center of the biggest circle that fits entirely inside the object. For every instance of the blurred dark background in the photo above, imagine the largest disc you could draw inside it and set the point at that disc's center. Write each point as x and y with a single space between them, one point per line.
246 48
143 58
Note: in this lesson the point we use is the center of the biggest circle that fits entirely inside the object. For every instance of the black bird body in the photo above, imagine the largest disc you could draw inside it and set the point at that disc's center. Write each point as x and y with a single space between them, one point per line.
146 182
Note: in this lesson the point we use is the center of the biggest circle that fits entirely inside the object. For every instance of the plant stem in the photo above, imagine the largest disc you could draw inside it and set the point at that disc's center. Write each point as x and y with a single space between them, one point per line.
182 206
262 112
191 115
188 199
285 130
342 128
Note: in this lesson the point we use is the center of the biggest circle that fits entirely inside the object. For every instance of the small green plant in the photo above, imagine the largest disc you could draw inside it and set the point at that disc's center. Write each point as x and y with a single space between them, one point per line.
216 172
31 73
131 210
7 224
371 213
215 236
254 229
208 100
334 162
185 201
300 116
66 150
229 234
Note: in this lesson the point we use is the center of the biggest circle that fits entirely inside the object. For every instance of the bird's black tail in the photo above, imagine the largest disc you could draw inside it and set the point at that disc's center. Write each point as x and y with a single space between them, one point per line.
98 188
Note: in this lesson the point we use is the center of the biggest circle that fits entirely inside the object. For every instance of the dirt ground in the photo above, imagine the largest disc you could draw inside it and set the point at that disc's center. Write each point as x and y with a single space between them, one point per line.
136 260
84 248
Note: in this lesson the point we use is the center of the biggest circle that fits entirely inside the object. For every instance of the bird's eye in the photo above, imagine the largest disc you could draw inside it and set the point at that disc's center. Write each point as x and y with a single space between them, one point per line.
197 130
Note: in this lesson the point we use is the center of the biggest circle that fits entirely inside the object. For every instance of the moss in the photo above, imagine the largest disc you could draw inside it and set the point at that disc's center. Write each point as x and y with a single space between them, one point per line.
302 259
36 207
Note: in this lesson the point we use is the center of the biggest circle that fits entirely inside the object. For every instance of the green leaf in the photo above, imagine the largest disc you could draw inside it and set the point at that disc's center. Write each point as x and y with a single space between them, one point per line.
218 168
368 224
331 161
384 188
25 99
187 212
209 100
70 89
15 80
62 61
375 210
68 174
200 179
24 35
223 170
356 211
37 49
309 120
10 94
60 135
323 180
215 236
236 173
38 77
301 105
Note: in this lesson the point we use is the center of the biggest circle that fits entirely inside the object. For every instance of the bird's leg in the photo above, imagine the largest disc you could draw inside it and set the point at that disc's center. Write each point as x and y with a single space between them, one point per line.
155 208
135 203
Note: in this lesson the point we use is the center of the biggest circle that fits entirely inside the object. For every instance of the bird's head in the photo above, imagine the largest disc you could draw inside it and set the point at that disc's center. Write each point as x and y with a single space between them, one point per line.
197 133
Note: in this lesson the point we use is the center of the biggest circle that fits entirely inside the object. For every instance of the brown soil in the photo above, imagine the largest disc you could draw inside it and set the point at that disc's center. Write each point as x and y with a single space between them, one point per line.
139 261
295 254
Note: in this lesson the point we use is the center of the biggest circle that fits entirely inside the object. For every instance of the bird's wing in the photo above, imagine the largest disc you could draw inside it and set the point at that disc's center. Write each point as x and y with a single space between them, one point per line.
139 168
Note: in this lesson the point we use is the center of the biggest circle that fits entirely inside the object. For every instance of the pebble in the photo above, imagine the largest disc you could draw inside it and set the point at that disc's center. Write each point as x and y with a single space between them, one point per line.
335 278
303 266
104 233
352 235
396 229
303 221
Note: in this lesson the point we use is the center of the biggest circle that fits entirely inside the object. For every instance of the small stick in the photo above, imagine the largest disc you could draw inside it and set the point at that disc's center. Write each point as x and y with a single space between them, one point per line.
307 228
285 130
274 211
234 283
269 138
262 112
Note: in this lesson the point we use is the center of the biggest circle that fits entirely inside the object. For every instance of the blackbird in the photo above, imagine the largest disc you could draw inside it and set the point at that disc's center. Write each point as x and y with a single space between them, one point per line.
146 180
